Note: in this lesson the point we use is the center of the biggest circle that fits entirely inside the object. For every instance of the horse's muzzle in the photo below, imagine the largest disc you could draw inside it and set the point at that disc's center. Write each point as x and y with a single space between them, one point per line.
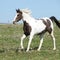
14 22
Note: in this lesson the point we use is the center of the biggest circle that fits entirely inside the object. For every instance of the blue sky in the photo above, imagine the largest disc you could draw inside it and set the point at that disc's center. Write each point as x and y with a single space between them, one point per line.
39 8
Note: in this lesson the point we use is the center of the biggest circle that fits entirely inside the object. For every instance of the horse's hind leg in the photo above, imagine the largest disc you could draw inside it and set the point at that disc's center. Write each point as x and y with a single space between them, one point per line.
52 35
41 41
22 38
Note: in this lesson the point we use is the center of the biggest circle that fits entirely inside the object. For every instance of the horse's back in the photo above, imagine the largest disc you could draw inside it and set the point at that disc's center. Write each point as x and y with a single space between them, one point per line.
43 24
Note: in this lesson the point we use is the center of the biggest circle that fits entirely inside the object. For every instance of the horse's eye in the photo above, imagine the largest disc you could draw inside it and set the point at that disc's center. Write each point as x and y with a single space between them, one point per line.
17 15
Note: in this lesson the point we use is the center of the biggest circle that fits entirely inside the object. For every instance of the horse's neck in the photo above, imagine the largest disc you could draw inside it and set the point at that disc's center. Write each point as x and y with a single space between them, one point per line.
27 18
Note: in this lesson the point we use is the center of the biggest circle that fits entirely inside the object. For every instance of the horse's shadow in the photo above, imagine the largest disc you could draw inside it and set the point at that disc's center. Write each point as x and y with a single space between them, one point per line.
18 49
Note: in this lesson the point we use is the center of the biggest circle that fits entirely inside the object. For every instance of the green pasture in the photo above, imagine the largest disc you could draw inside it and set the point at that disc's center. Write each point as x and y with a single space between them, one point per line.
10 41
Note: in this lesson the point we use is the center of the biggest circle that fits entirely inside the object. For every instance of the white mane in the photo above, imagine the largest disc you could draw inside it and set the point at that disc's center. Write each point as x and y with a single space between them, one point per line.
27 11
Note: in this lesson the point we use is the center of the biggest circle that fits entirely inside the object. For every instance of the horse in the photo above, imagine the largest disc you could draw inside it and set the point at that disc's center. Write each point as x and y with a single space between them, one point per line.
34 26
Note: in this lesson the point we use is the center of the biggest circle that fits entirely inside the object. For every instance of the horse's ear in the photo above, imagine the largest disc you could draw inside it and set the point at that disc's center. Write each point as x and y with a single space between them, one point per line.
16 10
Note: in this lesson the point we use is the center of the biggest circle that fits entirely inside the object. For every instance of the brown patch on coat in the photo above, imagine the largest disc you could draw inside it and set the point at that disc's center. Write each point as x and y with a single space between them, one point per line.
48 25
48 28
26 28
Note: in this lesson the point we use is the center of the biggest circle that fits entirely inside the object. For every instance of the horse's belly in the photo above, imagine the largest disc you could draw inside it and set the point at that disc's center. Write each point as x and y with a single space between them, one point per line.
39 29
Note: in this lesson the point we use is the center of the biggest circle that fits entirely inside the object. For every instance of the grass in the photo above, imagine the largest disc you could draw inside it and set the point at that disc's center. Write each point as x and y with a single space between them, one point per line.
10 40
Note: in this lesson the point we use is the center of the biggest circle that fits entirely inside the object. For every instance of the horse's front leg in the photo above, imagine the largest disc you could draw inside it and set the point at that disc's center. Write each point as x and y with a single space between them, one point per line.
22 38
30 39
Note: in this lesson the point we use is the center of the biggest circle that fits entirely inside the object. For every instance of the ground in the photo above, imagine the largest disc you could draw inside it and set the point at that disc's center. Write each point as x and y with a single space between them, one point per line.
10 41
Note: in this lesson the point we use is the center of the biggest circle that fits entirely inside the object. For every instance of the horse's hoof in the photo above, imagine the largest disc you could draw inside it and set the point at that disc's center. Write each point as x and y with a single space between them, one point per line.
38 49
27 50
54 48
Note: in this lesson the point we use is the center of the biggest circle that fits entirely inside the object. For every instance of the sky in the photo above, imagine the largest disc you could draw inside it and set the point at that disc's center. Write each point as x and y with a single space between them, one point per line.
39 8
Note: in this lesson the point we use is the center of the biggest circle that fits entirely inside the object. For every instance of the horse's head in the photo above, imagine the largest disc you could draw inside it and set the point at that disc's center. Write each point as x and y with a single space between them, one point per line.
18 16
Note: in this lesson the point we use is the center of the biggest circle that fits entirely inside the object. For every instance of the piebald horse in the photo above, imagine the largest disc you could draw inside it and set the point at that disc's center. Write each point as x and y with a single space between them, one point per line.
34 26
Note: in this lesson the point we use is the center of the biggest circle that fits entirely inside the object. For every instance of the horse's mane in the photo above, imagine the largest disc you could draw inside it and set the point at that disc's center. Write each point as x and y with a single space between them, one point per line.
27 11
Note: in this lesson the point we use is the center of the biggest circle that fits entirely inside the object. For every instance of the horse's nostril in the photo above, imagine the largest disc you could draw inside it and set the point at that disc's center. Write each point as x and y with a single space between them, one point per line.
13 22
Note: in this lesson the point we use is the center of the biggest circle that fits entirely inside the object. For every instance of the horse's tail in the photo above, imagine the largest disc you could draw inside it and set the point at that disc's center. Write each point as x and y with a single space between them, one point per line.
55 20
